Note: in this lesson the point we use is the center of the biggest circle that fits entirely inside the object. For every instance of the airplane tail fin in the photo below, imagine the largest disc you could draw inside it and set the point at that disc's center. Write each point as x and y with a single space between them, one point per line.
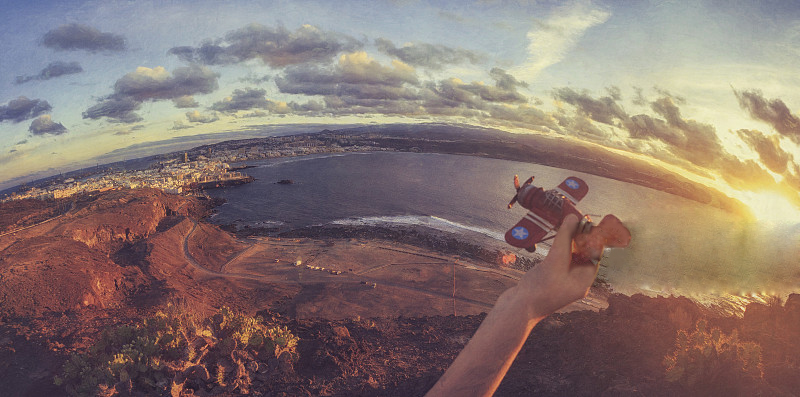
616 234
609 233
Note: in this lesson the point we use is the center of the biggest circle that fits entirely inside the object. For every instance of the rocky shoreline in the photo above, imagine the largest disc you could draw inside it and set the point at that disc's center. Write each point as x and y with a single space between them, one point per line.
421 236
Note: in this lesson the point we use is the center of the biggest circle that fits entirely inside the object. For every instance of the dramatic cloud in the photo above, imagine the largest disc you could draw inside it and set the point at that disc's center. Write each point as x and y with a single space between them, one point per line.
696 142
768 149
604 110
186 101
155 84
255 98
551 39
428 55
22 108
581 125
44 124
774 112
119 109
745 174
245 99
356 75
525 116
276 47
477 95
54 69
685 139
81 37
197 117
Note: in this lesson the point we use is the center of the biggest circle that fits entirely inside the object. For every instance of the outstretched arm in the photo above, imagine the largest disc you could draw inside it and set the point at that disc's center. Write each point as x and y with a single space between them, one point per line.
549 286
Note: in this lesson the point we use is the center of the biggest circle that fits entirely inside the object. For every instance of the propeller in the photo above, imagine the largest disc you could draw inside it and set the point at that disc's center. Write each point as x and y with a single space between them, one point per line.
517 186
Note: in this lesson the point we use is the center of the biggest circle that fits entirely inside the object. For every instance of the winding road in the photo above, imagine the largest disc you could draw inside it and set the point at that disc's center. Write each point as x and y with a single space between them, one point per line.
345 278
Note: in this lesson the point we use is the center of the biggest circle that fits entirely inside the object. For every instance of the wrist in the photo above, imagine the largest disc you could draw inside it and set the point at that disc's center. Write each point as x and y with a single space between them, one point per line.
528 300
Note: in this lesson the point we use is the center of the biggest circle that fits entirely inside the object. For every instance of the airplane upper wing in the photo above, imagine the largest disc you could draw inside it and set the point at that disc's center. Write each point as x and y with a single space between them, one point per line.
526 233
573 188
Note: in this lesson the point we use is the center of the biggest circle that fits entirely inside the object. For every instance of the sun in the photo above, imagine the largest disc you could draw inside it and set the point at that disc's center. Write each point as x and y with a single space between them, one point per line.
770 207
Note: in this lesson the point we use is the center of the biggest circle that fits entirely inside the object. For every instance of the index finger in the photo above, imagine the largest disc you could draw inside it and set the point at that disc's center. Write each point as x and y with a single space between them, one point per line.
562 244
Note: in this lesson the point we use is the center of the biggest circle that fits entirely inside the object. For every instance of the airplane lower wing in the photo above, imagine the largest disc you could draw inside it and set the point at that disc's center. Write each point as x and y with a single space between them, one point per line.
526 233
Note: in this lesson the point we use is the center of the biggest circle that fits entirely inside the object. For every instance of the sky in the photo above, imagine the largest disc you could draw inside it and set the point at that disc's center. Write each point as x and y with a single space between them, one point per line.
705 88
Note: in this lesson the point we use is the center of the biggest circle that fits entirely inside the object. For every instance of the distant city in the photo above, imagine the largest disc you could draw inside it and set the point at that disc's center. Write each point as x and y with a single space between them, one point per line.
195 169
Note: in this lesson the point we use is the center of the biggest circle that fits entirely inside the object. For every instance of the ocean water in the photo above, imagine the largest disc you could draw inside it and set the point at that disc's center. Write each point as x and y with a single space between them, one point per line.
679 246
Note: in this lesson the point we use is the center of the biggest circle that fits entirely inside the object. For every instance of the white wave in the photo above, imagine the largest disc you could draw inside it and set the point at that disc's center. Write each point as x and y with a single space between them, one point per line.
432 222
260 223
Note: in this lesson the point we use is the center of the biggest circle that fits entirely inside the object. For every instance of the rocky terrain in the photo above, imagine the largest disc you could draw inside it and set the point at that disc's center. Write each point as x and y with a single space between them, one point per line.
116 257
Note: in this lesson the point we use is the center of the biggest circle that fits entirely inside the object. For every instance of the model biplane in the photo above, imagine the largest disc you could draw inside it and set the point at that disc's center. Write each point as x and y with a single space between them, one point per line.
546 211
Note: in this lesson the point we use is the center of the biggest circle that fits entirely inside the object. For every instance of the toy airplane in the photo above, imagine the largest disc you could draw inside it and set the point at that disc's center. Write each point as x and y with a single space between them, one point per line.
547 209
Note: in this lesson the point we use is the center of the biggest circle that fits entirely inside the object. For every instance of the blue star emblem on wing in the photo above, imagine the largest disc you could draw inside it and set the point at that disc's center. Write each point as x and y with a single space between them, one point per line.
519 233
572 184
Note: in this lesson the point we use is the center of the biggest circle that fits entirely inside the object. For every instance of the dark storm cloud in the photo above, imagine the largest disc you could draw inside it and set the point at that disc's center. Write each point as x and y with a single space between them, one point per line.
276 47
432 56
768 149
146 84
772 111
44 124
54 69
22 108
81 37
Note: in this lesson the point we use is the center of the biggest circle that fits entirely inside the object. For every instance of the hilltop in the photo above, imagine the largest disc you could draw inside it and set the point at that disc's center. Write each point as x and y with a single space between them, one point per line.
376 313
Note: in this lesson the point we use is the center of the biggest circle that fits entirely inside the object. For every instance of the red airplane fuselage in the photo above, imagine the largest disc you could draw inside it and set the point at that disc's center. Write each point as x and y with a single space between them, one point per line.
548 207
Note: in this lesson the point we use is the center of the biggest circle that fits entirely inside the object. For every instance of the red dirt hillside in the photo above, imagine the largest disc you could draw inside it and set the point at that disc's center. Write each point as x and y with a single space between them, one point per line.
69 263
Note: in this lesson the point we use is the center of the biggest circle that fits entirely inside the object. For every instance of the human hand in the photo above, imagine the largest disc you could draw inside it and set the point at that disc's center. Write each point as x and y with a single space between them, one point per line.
557 281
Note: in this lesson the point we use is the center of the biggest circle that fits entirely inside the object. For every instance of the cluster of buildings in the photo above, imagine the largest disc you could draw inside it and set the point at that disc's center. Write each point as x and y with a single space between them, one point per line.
210 167
170 176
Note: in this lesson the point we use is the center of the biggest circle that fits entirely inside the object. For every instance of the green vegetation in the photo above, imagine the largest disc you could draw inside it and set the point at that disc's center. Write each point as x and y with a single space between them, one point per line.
704 358
173 350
